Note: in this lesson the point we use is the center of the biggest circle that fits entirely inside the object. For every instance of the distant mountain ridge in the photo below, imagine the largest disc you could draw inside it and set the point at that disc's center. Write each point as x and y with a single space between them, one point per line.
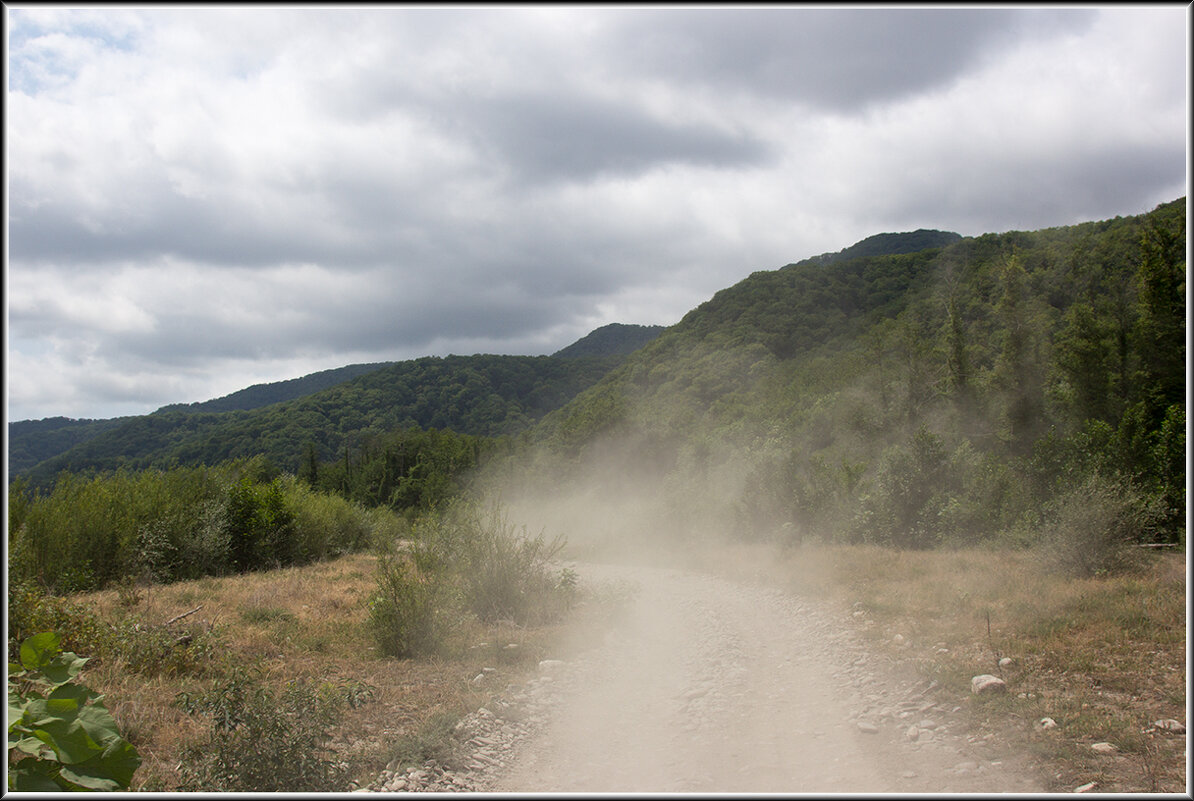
889 244
478 394
260 395
615 339
34 441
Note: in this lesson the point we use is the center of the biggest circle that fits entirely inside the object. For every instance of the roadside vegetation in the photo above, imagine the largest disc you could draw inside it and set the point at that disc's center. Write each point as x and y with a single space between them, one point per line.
252 632
286 679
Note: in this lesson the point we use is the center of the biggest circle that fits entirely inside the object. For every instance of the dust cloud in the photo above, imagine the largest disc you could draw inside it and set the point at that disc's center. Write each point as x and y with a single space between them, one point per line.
705 684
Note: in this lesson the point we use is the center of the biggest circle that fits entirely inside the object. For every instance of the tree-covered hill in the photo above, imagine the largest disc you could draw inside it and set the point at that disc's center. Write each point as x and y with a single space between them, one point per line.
259 395
33 441
889 245
964 392
615 339
479 395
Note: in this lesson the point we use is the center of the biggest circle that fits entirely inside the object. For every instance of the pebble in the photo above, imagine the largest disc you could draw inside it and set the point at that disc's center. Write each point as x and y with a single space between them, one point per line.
1103 748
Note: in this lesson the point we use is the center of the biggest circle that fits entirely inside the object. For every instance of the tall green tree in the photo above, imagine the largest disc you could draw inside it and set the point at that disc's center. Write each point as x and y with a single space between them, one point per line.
1083 354
1162 328
1017 372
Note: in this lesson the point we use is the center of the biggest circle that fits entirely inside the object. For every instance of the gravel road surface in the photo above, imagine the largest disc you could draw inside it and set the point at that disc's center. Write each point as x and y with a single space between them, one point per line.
706 685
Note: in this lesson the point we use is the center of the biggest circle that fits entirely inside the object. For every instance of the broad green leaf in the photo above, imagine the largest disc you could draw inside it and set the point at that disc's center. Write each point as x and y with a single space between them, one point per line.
85 776
38 713
28 745
39 649
62 707
111 770
99 723
33 775
63 668
16 711
74 692
70 741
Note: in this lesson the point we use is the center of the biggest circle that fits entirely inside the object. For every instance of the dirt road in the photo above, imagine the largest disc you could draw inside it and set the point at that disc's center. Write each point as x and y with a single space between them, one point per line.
711 686
704 685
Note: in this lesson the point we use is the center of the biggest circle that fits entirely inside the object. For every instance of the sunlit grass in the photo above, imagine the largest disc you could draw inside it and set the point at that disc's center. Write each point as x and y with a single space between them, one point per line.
306 623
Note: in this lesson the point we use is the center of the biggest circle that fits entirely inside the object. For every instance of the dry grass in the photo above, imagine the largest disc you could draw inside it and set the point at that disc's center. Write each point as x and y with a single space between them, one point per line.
304 623
1104 656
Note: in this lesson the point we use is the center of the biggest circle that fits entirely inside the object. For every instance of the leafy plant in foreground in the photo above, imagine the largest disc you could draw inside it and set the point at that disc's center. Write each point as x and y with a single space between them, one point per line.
60 734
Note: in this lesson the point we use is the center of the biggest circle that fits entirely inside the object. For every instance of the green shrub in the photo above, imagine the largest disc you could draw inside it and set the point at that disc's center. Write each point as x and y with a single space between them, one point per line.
156 650
260 526
60 734
909 506
507 573
408 611
260 741
31 611
89 532
1091 529
325 525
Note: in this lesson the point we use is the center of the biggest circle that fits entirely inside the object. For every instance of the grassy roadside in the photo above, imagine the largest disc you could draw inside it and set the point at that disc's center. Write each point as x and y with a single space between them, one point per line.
307 624
1104 657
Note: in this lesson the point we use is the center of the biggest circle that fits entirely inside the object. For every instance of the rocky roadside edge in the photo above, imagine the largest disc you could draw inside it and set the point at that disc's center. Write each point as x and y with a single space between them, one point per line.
487 740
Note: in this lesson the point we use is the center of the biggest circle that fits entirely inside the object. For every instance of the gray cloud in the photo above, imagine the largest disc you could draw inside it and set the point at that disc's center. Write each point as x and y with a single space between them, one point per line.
836 59
205 199
548 137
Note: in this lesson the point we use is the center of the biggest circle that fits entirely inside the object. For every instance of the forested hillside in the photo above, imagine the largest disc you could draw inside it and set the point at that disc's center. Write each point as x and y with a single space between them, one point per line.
33 441
999 387
979 389
615 339
259 395
476 395
888 245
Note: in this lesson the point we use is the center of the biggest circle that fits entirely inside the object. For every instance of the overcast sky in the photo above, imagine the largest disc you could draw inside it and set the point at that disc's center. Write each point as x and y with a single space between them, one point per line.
205 199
